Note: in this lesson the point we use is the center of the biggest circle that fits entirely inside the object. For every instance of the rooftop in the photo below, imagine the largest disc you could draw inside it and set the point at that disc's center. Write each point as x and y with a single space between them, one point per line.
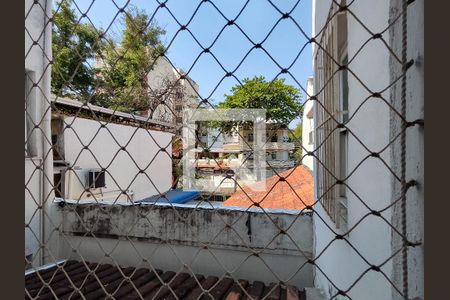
70 106
75 279
292 189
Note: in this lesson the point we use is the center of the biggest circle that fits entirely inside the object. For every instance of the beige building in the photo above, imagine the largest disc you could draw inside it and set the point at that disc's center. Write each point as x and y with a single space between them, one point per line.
174 89
239 146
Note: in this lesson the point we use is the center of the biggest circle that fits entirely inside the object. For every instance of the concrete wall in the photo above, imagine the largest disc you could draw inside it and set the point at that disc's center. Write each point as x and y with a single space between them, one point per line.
372 180
133 233
415 147
143 147
37 85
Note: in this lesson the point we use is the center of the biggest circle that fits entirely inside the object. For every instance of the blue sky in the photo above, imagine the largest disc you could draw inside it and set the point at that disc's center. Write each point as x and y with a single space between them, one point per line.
257 19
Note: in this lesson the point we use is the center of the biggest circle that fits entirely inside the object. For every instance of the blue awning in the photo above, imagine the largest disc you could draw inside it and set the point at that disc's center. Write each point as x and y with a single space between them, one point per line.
173 196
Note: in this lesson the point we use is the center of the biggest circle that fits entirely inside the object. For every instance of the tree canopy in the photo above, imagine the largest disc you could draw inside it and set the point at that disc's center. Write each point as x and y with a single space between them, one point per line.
281 101
74 43
125 67
295 135
118 79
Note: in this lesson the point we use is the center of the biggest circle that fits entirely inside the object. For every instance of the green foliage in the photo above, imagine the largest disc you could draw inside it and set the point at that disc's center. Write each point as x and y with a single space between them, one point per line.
120 80
295 136
74 43
281 101
125 67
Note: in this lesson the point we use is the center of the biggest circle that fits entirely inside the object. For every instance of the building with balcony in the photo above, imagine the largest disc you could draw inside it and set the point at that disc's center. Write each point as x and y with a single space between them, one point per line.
239 145
229 151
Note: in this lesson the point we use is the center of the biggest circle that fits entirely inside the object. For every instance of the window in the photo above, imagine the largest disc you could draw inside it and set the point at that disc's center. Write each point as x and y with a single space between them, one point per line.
334 110
274 138
250 137
344 91
58 180
57 128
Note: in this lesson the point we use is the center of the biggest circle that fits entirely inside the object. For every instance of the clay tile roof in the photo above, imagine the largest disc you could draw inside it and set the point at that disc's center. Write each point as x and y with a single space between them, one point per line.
280 194
149 283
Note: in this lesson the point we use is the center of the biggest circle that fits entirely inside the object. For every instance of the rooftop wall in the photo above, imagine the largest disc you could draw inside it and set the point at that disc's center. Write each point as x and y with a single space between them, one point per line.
162 234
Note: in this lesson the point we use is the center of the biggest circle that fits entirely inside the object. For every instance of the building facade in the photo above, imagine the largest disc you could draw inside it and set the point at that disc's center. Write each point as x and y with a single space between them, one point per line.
351 181
239 146
108 174
175 90
279 150
308 127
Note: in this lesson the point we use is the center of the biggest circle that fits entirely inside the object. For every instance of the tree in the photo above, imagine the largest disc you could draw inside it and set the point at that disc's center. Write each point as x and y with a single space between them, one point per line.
73 45
295 136
281 101
125 67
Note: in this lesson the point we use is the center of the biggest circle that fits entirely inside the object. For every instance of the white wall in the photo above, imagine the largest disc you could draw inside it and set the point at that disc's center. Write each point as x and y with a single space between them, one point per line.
372 180
414 151
188 230
32 200
308 126
104 151
37 57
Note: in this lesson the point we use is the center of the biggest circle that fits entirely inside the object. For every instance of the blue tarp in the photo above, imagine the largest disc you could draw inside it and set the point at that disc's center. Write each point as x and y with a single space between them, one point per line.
173 196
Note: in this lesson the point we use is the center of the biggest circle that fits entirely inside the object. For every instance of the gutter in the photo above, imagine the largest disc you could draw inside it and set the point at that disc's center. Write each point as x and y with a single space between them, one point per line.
44 267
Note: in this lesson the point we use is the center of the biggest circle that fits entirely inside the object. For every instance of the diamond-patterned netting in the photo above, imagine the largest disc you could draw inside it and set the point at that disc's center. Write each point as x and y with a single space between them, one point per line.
104 103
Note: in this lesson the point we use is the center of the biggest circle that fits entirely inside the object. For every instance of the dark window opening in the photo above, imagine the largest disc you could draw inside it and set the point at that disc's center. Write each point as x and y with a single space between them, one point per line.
57 179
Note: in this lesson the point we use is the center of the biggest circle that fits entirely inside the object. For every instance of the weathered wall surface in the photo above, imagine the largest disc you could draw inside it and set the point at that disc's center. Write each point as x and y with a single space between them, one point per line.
340 263
171 238
142 152
415 147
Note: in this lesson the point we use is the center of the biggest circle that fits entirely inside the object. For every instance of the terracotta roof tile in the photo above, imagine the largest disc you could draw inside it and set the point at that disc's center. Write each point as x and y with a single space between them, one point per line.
149 283
295 193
